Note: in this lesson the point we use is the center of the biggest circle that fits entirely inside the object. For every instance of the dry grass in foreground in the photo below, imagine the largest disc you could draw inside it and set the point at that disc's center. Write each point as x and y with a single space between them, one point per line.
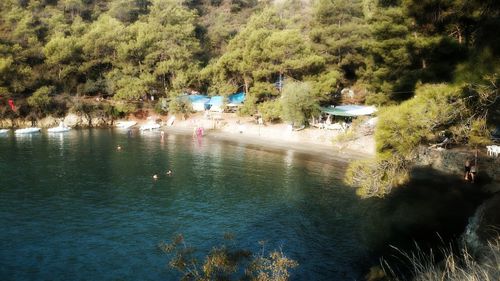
462 266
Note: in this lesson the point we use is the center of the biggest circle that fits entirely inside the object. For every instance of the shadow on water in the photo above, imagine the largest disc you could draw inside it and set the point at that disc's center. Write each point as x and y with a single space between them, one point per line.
430 212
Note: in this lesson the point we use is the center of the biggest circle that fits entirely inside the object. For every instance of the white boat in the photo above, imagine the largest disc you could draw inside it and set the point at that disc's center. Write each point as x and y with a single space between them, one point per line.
149 126
27 130
59 129
125 124
3 131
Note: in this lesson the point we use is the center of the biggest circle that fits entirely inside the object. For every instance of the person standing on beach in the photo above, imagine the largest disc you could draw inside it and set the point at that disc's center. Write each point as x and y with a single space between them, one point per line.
473 169
467 170
473 173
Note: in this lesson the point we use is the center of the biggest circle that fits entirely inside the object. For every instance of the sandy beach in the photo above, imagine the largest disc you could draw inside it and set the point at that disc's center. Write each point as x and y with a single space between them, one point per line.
230 127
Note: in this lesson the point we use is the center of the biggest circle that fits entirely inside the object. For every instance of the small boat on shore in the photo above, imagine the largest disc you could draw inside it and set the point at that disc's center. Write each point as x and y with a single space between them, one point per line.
27 130
125 124
59 129
149 126
4 131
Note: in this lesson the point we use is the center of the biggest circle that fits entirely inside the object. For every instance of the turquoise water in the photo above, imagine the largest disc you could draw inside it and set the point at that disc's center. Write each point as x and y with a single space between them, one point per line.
72 207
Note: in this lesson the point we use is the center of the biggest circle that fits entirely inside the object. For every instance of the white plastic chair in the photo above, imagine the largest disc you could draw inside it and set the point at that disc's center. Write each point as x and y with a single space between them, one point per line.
496 150
489 150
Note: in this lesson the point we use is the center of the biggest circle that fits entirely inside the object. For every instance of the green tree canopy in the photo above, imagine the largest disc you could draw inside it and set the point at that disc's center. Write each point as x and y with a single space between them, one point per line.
340 32
158 54
459 109
261 52
298 103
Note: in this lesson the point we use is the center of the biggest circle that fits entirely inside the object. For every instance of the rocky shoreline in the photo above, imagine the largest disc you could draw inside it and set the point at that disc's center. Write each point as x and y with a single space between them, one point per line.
70 120
451 161
483 227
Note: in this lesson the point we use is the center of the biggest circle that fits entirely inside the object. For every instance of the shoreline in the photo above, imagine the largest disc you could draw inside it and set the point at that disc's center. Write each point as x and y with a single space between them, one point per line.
326 152
245 130
229 127
322 144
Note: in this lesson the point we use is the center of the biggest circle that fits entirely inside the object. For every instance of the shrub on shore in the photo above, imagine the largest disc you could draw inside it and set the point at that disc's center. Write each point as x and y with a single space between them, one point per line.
460 110
298 103
270 110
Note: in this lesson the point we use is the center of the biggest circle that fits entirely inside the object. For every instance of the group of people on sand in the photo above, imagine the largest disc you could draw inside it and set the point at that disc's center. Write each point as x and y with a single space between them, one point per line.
470 171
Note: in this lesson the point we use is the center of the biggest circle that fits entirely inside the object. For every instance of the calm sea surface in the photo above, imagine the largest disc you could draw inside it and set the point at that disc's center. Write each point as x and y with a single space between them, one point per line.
72 207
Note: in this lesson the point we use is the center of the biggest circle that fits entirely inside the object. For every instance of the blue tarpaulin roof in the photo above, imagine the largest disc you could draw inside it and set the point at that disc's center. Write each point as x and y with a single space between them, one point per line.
237 98
198 98
217 101
195 98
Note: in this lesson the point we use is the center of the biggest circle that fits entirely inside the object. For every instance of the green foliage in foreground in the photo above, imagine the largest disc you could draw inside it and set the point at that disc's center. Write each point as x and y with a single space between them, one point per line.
459 111
227 262
402 128
377 177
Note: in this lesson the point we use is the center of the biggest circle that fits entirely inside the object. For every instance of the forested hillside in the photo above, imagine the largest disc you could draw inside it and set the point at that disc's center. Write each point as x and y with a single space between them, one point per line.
128 48
386 51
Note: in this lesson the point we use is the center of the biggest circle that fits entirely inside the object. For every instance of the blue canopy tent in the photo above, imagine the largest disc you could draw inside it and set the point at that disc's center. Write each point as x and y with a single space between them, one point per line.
198 102
216 103
195 98
236 99
190 98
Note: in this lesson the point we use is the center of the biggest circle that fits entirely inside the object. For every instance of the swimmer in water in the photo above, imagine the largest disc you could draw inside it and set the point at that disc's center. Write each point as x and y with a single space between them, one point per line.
118 148
169 172
155 176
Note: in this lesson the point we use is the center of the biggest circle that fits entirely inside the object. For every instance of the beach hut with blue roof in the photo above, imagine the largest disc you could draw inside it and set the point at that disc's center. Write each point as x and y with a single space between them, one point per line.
234 101
216 103
199 102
